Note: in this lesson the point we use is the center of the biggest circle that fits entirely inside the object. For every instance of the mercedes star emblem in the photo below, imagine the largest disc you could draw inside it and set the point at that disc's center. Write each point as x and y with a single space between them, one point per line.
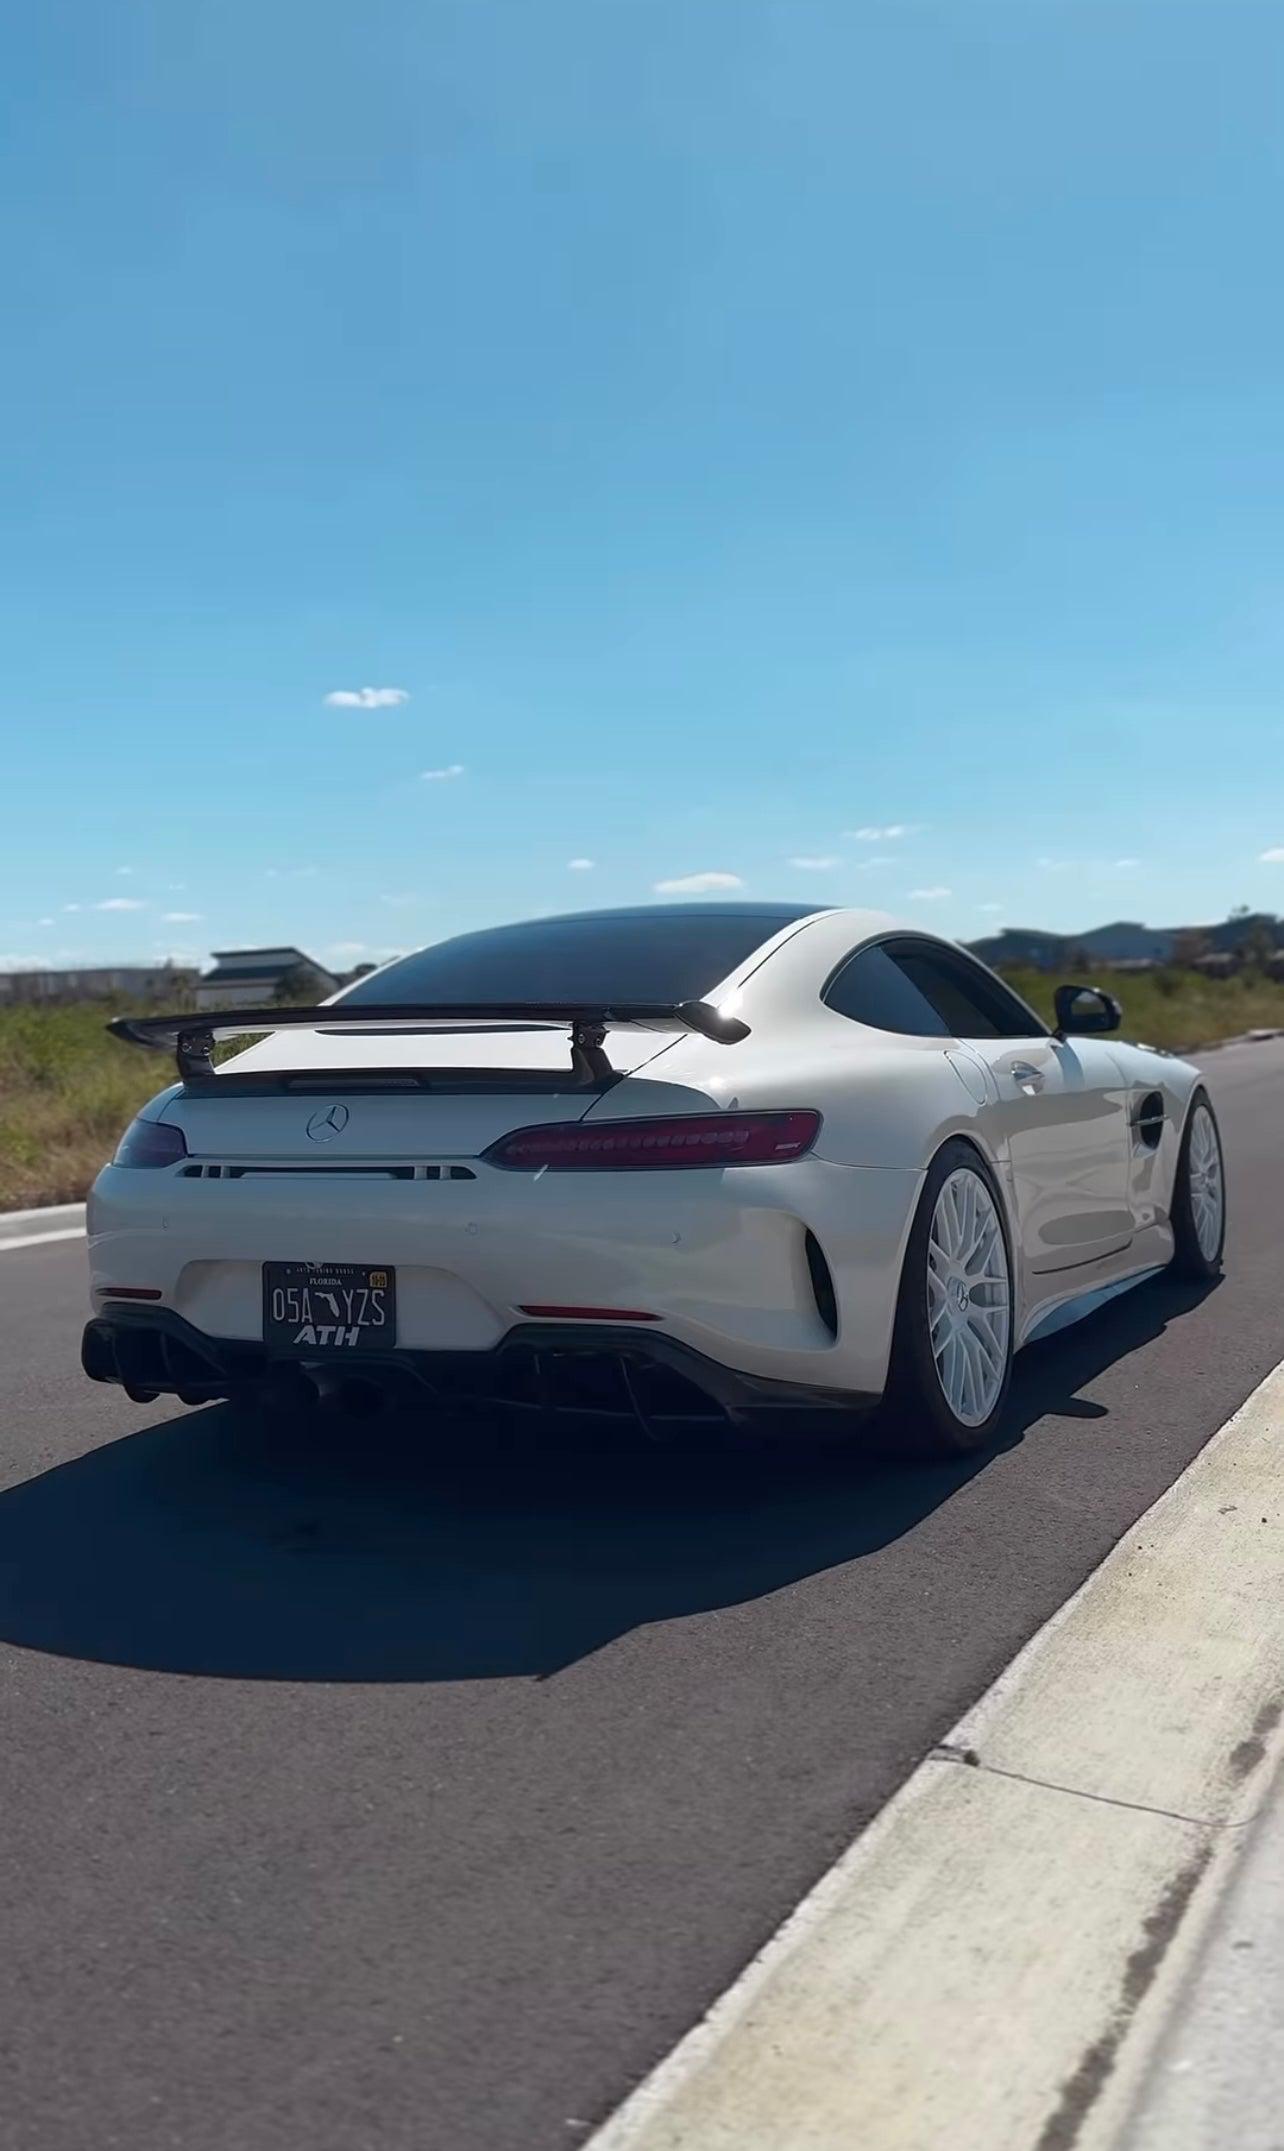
323 1127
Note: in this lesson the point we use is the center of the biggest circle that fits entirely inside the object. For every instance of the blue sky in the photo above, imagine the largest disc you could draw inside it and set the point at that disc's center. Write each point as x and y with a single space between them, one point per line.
729 424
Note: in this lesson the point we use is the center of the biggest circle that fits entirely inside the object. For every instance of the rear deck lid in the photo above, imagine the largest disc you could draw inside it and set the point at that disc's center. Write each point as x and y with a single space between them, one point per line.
330 1100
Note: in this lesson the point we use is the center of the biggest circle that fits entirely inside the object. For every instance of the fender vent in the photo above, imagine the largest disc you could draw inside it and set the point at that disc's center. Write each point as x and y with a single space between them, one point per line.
822 1284
1148 1120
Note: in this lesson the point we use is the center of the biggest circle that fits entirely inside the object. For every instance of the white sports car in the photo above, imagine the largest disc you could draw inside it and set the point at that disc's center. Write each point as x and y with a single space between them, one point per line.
734 1156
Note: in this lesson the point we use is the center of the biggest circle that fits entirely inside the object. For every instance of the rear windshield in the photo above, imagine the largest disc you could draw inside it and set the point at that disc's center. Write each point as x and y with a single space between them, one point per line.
598 956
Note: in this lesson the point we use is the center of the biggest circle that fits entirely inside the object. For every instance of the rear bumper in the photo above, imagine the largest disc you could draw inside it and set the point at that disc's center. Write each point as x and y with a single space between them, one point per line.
719 1260
592 1368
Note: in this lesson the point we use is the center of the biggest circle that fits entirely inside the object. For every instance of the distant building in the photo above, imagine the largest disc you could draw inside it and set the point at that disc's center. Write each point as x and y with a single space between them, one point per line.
254 978
129 982
1022 945
1125 944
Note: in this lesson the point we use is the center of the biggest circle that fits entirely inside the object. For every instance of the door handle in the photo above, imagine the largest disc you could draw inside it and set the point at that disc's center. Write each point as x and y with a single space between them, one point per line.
1026 1074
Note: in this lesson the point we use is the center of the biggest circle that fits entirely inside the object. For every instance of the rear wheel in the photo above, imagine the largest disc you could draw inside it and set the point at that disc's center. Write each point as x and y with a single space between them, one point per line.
1199 1195
952 1347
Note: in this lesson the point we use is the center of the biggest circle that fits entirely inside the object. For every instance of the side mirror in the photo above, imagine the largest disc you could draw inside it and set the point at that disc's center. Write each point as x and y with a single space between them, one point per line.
1082 1010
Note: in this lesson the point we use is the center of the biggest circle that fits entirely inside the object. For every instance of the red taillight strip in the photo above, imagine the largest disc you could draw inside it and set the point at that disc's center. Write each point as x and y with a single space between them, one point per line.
590 1314
130 1292
675 1143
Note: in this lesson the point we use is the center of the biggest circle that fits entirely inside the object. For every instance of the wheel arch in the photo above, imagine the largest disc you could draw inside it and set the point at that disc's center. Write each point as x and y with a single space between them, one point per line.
914 1380
1196 1095
1007 1215
997 1169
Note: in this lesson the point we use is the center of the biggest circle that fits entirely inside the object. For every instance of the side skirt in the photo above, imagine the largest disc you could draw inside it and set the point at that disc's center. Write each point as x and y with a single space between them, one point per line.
1085 1303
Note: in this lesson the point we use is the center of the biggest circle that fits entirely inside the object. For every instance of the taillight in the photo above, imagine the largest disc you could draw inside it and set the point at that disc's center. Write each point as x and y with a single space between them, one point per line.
150 1142
639 1146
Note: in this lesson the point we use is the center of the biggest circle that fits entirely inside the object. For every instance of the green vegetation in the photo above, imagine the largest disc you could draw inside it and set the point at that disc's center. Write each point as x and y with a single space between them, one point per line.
66 1092
67 1089
1170 1007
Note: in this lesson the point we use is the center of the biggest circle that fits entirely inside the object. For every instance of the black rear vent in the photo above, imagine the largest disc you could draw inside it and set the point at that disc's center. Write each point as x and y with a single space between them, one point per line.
1148 1120
330 1172
822 1284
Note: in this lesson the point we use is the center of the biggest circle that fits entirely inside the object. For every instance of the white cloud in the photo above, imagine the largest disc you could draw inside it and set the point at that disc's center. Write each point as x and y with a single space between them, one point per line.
697 884
872 834
935 895
71 907
992 908
40 959
44 922
175 886
1273 857
367 698
442 776
121 903
400 898
1124 864
124 870
1052 866
866 866
581 866
816 864
346 948
181 918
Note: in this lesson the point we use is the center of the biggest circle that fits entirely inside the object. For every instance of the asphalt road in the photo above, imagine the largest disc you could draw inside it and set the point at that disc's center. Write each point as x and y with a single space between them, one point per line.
361 1788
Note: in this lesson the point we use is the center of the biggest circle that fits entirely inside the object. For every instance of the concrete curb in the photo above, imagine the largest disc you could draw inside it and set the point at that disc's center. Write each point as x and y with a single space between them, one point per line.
40 1228
1217 1045
49 1211
1216 2072
990 1964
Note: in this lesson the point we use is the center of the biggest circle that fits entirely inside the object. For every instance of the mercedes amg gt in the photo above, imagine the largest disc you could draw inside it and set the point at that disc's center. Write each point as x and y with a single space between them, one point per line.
734 1157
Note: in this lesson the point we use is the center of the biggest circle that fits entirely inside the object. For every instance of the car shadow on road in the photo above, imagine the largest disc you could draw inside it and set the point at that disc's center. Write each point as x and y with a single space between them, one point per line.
325 1549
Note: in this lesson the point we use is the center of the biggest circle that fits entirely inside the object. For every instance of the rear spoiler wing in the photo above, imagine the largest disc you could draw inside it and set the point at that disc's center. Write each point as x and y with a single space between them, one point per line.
192 1036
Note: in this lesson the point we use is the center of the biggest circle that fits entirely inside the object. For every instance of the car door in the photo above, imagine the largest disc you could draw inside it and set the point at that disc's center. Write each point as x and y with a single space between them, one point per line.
1058 1110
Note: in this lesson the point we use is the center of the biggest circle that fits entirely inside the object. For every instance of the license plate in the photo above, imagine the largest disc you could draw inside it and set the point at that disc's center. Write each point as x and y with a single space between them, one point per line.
328 1307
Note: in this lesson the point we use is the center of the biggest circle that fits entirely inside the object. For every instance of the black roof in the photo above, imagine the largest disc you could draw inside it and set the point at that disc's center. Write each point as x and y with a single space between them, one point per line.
657 954
782 914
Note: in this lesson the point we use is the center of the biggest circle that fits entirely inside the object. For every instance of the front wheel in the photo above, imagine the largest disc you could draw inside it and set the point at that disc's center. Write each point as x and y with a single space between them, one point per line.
1199 1195
951 1360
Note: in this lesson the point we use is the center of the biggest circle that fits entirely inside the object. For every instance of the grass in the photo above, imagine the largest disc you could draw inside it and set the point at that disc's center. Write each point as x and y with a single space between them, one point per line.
1175 1008
66 1092
67 1089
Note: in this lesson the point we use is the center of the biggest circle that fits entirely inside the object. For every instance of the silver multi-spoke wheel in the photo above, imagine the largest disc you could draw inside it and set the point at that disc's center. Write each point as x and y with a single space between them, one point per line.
969 1296
1207 1188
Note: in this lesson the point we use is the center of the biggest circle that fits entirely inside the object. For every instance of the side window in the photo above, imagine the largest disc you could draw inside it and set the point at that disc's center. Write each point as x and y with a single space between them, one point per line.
970 1003
874 989
920 990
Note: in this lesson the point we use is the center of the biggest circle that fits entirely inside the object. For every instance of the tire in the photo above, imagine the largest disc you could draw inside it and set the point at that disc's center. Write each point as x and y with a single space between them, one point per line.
947 1386
1199 1195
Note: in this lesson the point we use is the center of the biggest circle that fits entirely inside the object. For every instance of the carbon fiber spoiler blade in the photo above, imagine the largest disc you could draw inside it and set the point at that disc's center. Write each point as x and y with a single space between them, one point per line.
192 1035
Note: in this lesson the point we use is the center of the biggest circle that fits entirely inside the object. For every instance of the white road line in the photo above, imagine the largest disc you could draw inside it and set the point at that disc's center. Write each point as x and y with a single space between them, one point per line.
48 1211
989 1965
41 1239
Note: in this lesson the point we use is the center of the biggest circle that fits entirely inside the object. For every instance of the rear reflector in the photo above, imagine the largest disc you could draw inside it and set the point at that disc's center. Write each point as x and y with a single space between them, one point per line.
590 1314
633 1146
130 1292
